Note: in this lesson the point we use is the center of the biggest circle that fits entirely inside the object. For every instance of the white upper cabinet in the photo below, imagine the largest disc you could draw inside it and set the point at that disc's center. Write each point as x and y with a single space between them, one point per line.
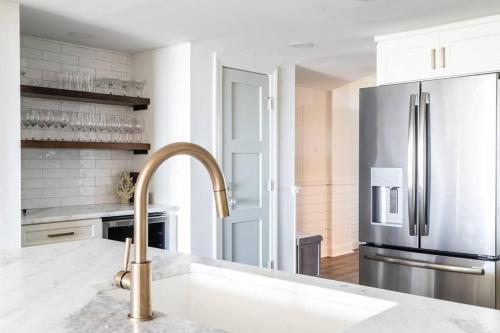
463 48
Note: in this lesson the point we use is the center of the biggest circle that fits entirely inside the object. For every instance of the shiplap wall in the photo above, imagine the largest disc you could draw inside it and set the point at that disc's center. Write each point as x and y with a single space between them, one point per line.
57 177
345 150
313 164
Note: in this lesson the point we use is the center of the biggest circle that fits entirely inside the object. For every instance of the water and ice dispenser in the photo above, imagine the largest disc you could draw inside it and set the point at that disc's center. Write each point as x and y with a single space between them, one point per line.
387 196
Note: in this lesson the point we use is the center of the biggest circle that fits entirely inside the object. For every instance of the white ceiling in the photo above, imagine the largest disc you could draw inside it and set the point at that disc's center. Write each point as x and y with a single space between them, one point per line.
342 30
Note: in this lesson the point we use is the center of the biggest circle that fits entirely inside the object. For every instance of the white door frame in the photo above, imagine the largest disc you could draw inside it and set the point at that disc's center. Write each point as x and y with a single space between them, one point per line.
251 65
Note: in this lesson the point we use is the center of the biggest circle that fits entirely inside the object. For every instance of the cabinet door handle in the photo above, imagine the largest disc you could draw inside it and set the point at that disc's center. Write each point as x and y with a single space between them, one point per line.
433 58
71 233
443 57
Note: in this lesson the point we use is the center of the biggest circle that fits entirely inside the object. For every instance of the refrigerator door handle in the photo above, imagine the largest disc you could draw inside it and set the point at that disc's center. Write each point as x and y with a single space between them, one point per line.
422 165
412 135
424 264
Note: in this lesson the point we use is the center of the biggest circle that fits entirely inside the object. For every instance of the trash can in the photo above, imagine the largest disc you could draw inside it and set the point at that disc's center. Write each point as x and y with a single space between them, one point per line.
308 254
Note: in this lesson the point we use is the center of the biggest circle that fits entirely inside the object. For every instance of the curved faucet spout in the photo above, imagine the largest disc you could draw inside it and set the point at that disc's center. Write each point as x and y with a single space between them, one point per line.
138 279
142 184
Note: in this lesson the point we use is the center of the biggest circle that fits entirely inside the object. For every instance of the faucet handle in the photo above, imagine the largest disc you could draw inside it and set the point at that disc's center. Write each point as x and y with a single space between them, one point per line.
126 256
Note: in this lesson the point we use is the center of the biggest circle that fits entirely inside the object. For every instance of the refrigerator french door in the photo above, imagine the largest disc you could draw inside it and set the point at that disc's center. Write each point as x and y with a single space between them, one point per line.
428 187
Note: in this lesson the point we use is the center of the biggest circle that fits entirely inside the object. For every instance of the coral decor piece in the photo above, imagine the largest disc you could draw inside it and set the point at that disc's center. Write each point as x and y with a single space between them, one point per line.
124 188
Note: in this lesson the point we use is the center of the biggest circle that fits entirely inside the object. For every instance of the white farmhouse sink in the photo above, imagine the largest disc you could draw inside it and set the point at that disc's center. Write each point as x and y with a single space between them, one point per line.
241 302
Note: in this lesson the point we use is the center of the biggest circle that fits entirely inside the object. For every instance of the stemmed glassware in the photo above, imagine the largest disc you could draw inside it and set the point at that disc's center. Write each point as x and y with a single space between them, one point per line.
94 126
62 123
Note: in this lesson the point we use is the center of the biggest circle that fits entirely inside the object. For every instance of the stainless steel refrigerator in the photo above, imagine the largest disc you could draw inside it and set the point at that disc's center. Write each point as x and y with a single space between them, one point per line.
429 188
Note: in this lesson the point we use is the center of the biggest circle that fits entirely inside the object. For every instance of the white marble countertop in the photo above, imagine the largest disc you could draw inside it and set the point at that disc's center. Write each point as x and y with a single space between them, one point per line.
61 288
71 213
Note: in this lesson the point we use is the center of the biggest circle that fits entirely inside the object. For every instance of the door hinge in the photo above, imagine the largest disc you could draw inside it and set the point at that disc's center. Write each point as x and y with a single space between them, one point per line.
270 185
270 103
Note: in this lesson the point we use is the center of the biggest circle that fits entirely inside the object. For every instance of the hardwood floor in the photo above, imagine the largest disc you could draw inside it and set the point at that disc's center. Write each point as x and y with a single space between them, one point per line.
342 268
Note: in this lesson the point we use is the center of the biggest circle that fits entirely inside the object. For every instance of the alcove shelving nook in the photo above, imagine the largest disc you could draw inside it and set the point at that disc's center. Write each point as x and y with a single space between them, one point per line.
136 103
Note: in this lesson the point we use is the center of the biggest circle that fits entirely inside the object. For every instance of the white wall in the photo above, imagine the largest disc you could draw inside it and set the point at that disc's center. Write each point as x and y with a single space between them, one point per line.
204 229
286 168
345 150
313 163
10 168
167 73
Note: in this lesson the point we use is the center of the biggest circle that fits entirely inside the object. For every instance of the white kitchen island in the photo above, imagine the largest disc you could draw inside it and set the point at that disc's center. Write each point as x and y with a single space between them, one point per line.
67 288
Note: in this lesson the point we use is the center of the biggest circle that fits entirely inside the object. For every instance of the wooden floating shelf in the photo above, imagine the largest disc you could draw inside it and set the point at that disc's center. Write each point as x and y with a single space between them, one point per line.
137 148
137 103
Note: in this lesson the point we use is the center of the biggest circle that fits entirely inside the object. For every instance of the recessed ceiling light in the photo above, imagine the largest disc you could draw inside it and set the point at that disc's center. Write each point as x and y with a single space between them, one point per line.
301 45
80 35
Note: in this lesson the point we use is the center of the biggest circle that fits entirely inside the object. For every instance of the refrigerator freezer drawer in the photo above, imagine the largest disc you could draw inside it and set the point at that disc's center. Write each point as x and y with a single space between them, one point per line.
455 279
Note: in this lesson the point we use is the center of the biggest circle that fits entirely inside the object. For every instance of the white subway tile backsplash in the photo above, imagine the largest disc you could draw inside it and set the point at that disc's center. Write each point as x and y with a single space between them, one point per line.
120 154
65 182
60 173
32 193
41 44
31 183
31 53
60 154
61 58
87 190
44 65
58 192
78 107
104 181
32 74
113 57
78 51
40 203
94 172
95 154
73 68
93 63
113 164
103 199
31 173
50 76
40 164
65 177
31 154
36 103
78 164
121 68
76 201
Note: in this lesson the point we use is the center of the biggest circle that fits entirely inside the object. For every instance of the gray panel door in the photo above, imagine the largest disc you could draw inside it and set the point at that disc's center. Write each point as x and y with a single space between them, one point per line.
246 166
384 123
461 164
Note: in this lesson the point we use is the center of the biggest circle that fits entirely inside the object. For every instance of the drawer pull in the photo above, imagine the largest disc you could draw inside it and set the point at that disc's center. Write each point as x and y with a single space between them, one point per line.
71 233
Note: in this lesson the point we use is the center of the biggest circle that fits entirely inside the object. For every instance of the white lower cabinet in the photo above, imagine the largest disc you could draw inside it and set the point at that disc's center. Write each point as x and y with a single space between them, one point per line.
48 233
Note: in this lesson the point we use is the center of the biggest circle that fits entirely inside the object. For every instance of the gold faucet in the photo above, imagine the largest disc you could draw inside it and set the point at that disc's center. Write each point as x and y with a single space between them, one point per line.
138 279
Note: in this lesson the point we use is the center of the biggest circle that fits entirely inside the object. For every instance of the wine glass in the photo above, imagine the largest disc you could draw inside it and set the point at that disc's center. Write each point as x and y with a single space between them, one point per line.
75 125
50 122
25 123
42 123
140 126
63 122
109 126
100 126
33 118
139 87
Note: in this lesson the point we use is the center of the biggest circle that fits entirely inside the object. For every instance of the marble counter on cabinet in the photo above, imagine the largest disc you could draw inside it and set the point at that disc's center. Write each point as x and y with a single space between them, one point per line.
61 288
72 213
